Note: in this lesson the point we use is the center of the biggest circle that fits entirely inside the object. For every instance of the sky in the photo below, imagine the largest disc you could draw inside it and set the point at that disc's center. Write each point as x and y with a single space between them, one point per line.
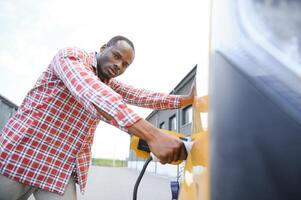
169 38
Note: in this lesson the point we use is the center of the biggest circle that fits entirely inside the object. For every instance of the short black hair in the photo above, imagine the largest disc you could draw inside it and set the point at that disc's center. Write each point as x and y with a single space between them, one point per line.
115 39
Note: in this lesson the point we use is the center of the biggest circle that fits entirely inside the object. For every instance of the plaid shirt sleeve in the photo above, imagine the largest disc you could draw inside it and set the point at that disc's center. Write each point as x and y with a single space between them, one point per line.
145 98
72 67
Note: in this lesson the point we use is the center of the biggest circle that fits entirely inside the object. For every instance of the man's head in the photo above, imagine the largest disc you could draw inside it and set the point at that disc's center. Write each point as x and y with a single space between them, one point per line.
114 57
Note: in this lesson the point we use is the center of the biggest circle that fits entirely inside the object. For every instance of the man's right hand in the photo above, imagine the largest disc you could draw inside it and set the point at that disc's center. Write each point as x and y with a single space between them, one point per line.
166 148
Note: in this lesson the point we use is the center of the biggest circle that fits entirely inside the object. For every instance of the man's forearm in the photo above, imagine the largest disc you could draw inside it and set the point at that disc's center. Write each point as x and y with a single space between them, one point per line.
165 147
143 129
186 100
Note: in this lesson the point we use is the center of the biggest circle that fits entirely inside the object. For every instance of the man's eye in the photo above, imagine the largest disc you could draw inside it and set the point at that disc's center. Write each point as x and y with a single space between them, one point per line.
116 56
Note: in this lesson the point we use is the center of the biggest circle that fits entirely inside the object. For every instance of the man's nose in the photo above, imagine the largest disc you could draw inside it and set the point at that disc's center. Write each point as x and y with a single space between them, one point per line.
118 66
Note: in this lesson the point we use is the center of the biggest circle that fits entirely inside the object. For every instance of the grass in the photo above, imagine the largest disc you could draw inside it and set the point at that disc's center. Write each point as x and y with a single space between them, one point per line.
108 162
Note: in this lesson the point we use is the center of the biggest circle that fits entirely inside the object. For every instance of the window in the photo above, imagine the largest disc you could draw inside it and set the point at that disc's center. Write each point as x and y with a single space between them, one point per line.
173 123
187 115
162 125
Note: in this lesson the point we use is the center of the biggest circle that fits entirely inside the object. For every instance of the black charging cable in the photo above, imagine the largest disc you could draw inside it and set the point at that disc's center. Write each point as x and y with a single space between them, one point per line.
140 177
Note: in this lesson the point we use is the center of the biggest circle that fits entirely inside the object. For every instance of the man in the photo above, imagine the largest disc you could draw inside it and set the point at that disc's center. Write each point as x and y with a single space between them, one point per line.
46 146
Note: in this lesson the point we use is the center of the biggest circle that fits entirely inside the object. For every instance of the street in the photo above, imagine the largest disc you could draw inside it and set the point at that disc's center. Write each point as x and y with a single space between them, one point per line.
108 183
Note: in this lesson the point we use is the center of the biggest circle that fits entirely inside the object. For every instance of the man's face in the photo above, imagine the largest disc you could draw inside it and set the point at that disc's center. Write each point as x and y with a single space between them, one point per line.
114 60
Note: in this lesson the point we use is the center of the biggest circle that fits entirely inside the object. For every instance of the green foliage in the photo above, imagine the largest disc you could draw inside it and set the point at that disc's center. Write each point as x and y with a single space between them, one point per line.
109 162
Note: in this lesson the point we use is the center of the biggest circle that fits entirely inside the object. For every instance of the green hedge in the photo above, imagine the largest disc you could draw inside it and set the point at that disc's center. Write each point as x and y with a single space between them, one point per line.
109 162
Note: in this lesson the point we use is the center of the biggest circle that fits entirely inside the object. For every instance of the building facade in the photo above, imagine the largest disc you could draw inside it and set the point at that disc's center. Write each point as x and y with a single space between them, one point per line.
7 110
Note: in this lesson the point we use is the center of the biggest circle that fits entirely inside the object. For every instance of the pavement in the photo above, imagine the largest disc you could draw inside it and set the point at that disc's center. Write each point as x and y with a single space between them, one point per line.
108 183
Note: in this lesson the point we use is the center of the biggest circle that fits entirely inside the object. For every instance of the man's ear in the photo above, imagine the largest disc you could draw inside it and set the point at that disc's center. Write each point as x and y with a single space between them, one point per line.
103 47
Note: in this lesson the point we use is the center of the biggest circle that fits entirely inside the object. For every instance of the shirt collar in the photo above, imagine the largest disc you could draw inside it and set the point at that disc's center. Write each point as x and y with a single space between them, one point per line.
93 61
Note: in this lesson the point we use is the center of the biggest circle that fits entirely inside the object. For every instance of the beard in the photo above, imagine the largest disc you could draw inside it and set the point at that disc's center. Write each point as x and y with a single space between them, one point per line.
102 74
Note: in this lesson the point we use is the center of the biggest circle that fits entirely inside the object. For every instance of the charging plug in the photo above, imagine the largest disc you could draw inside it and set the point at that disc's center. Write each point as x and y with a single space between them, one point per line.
188 146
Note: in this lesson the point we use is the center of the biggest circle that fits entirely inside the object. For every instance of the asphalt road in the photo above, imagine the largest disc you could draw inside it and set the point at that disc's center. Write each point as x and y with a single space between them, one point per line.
106 183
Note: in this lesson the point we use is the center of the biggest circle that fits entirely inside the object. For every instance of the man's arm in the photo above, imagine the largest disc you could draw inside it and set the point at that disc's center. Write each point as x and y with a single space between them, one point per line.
165 147
145 98
153 100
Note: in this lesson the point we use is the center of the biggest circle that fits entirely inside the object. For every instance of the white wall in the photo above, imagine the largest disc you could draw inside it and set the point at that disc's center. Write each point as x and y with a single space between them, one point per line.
155 167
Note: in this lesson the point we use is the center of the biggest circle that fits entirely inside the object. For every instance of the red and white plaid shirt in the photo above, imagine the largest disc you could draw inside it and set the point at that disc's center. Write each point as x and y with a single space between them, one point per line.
52 132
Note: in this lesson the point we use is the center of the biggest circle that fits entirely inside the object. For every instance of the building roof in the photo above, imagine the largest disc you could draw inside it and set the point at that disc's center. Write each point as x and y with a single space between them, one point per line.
8 102
190 75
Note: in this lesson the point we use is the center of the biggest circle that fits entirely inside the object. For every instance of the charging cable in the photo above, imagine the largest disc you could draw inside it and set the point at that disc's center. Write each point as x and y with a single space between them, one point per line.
140 177
188 146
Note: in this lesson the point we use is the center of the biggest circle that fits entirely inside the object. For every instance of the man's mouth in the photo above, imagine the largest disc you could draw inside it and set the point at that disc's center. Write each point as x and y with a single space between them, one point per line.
111 72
